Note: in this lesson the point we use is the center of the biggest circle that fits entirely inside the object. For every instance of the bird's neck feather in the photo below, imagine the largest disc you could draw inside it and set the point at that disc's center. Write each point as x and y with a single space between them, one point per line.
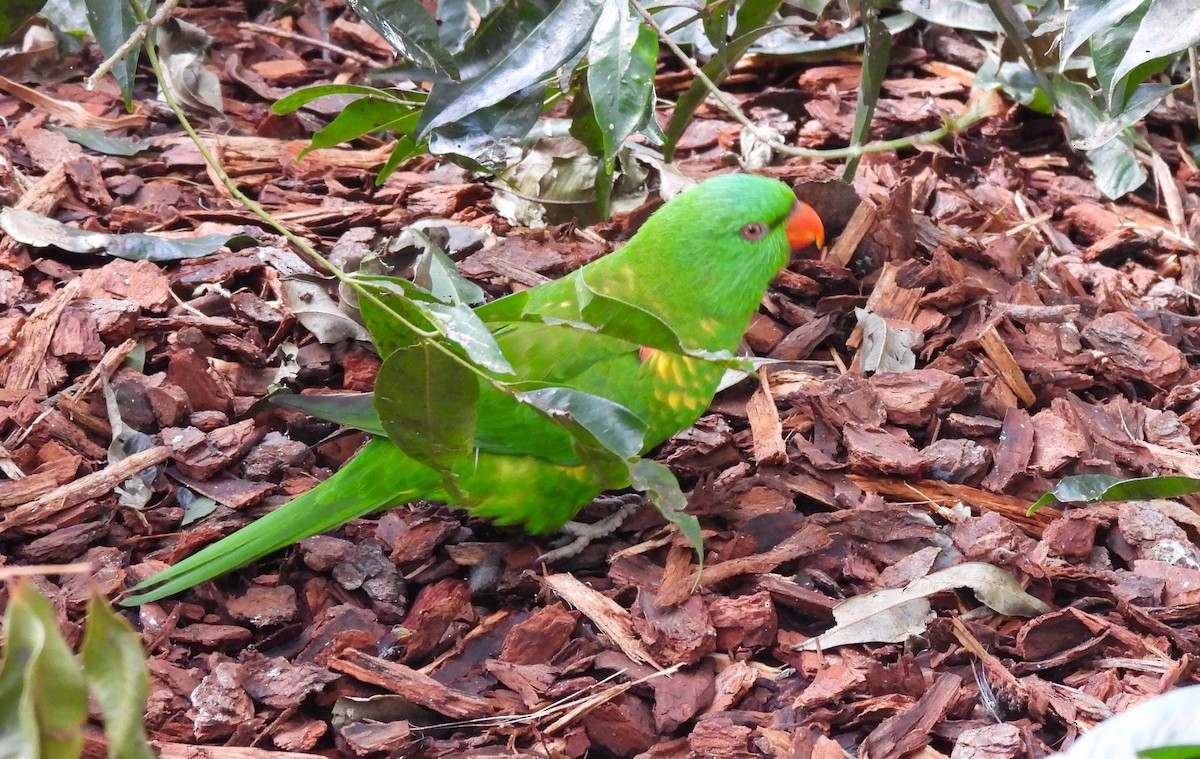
708 309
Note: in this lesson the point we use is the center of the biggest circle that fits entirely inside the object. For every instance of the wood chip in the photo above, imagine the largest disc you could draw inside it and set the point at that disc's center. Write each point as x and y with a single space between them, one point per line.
608 617
92 486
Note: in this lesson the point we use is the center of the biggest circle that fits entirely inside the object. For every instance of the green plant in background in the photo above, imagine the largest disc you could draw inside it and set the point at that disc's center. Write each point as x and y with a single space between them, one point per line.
1104 65
1171 752
1088 488
496 67
44 688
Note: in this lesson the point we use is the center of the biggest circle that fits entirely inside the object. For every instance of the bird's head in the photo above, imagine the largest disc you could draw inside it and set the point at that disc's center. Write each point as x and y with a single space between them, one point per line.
737 221
716 247
740 214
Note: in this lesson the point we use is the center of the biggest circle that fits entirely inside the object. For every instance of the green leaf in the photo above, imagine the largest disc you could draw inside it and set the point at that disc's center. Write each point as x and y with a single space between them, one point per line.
115 668
1086 488
969 15
661 487
1170 752
620 77
462 325
436 274
1011 18
390 315
557 38
613 426
485 136
457 19
1108 48
1115 163
195 507
1084 20
805 45
1168 27
101 142
404 150
43 700
715 18
1016 81
112 23
427 401
408 28
876 55
752 19
355 410
364 116
42 231
303 97
1145 99
14 13
458 324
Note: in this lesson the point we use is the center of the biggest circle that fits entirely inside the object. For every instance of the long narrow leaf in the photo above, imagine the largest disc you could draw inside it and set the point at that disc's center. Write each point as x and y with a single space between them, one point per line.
556 39
409 28
877 53
115 668
752 20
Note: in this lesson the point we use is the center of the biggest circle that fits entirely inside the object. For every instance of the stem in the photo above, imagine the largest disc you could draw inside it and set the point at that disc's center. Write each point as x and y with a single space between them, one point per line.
1194 62
142 32
950 125
292 237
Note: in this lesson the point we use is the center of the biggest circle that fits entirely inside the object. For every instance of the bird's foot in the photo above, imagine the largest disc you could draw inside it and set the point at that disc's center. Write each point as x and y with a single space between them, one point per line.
583 534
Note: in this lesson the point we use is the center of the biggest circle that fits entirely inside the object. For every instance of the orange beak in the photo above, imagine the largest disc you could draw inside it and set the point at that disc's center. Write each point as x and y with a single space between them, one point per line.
804 227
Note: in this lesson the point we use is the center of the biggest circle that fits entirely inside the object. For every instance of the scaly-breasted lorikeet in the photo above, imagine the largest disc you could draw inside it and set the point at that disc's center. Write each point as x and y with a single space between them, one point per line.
701 265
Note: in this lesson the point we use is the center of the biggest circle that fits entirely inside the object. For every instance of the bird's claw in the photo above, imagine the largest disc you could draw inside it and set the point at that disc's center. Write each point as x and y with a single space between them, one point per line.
583 534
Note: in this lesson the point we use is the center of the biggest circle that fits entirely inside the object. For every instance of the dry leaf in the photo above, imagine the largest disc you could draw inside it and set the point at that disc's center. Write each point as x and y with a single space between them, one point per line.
892 616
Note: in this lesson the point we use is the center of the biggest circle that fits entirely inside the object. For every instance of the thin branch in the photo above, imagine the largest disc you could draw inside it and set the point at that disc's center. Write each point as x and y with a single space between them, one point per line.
725 101
135 40
301 244
1194 61
310 41
950 125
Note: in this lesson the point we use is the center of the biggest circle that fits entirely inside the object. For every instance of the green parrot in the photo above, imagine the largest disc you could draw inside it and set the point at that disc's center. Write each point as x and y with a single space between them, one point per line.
700 265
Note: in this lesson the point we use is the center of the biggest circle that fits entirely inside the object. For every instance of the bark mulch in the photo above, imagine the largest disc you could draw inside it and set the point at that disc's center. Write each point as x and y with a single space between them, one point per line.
1054 333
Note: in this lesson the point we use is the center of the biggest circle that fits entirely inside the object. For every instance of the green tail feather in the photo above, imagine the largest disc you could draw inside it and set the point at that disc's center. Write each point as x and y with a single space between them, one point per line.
379 476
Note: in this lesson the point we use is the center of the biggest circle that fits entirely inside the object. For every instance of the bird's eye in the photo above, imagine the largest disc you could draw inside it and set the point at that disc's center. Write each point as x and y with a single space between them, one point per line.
754 231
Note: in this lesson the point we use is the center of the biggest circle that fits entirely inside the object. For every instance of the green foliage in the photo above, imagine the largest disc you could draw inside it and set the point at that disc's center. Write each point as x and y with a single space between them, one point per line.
877 51
1086 488
14 13
1170 752
1102 96
375 109
44 689
114 668
112 22
752 18
492 82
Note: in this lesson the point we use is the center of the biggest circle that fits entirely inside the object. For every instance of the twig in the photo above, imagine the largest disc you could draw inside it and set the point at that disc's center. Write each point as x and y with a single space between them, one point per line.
34 570
725 101
134 40
949 126
311 41
300 243
1194 61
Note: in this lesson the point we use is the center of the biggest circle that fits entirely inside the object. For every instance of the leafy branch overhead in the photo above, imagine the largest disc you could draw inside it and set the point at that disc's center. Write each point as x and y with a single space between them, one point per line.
490 85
